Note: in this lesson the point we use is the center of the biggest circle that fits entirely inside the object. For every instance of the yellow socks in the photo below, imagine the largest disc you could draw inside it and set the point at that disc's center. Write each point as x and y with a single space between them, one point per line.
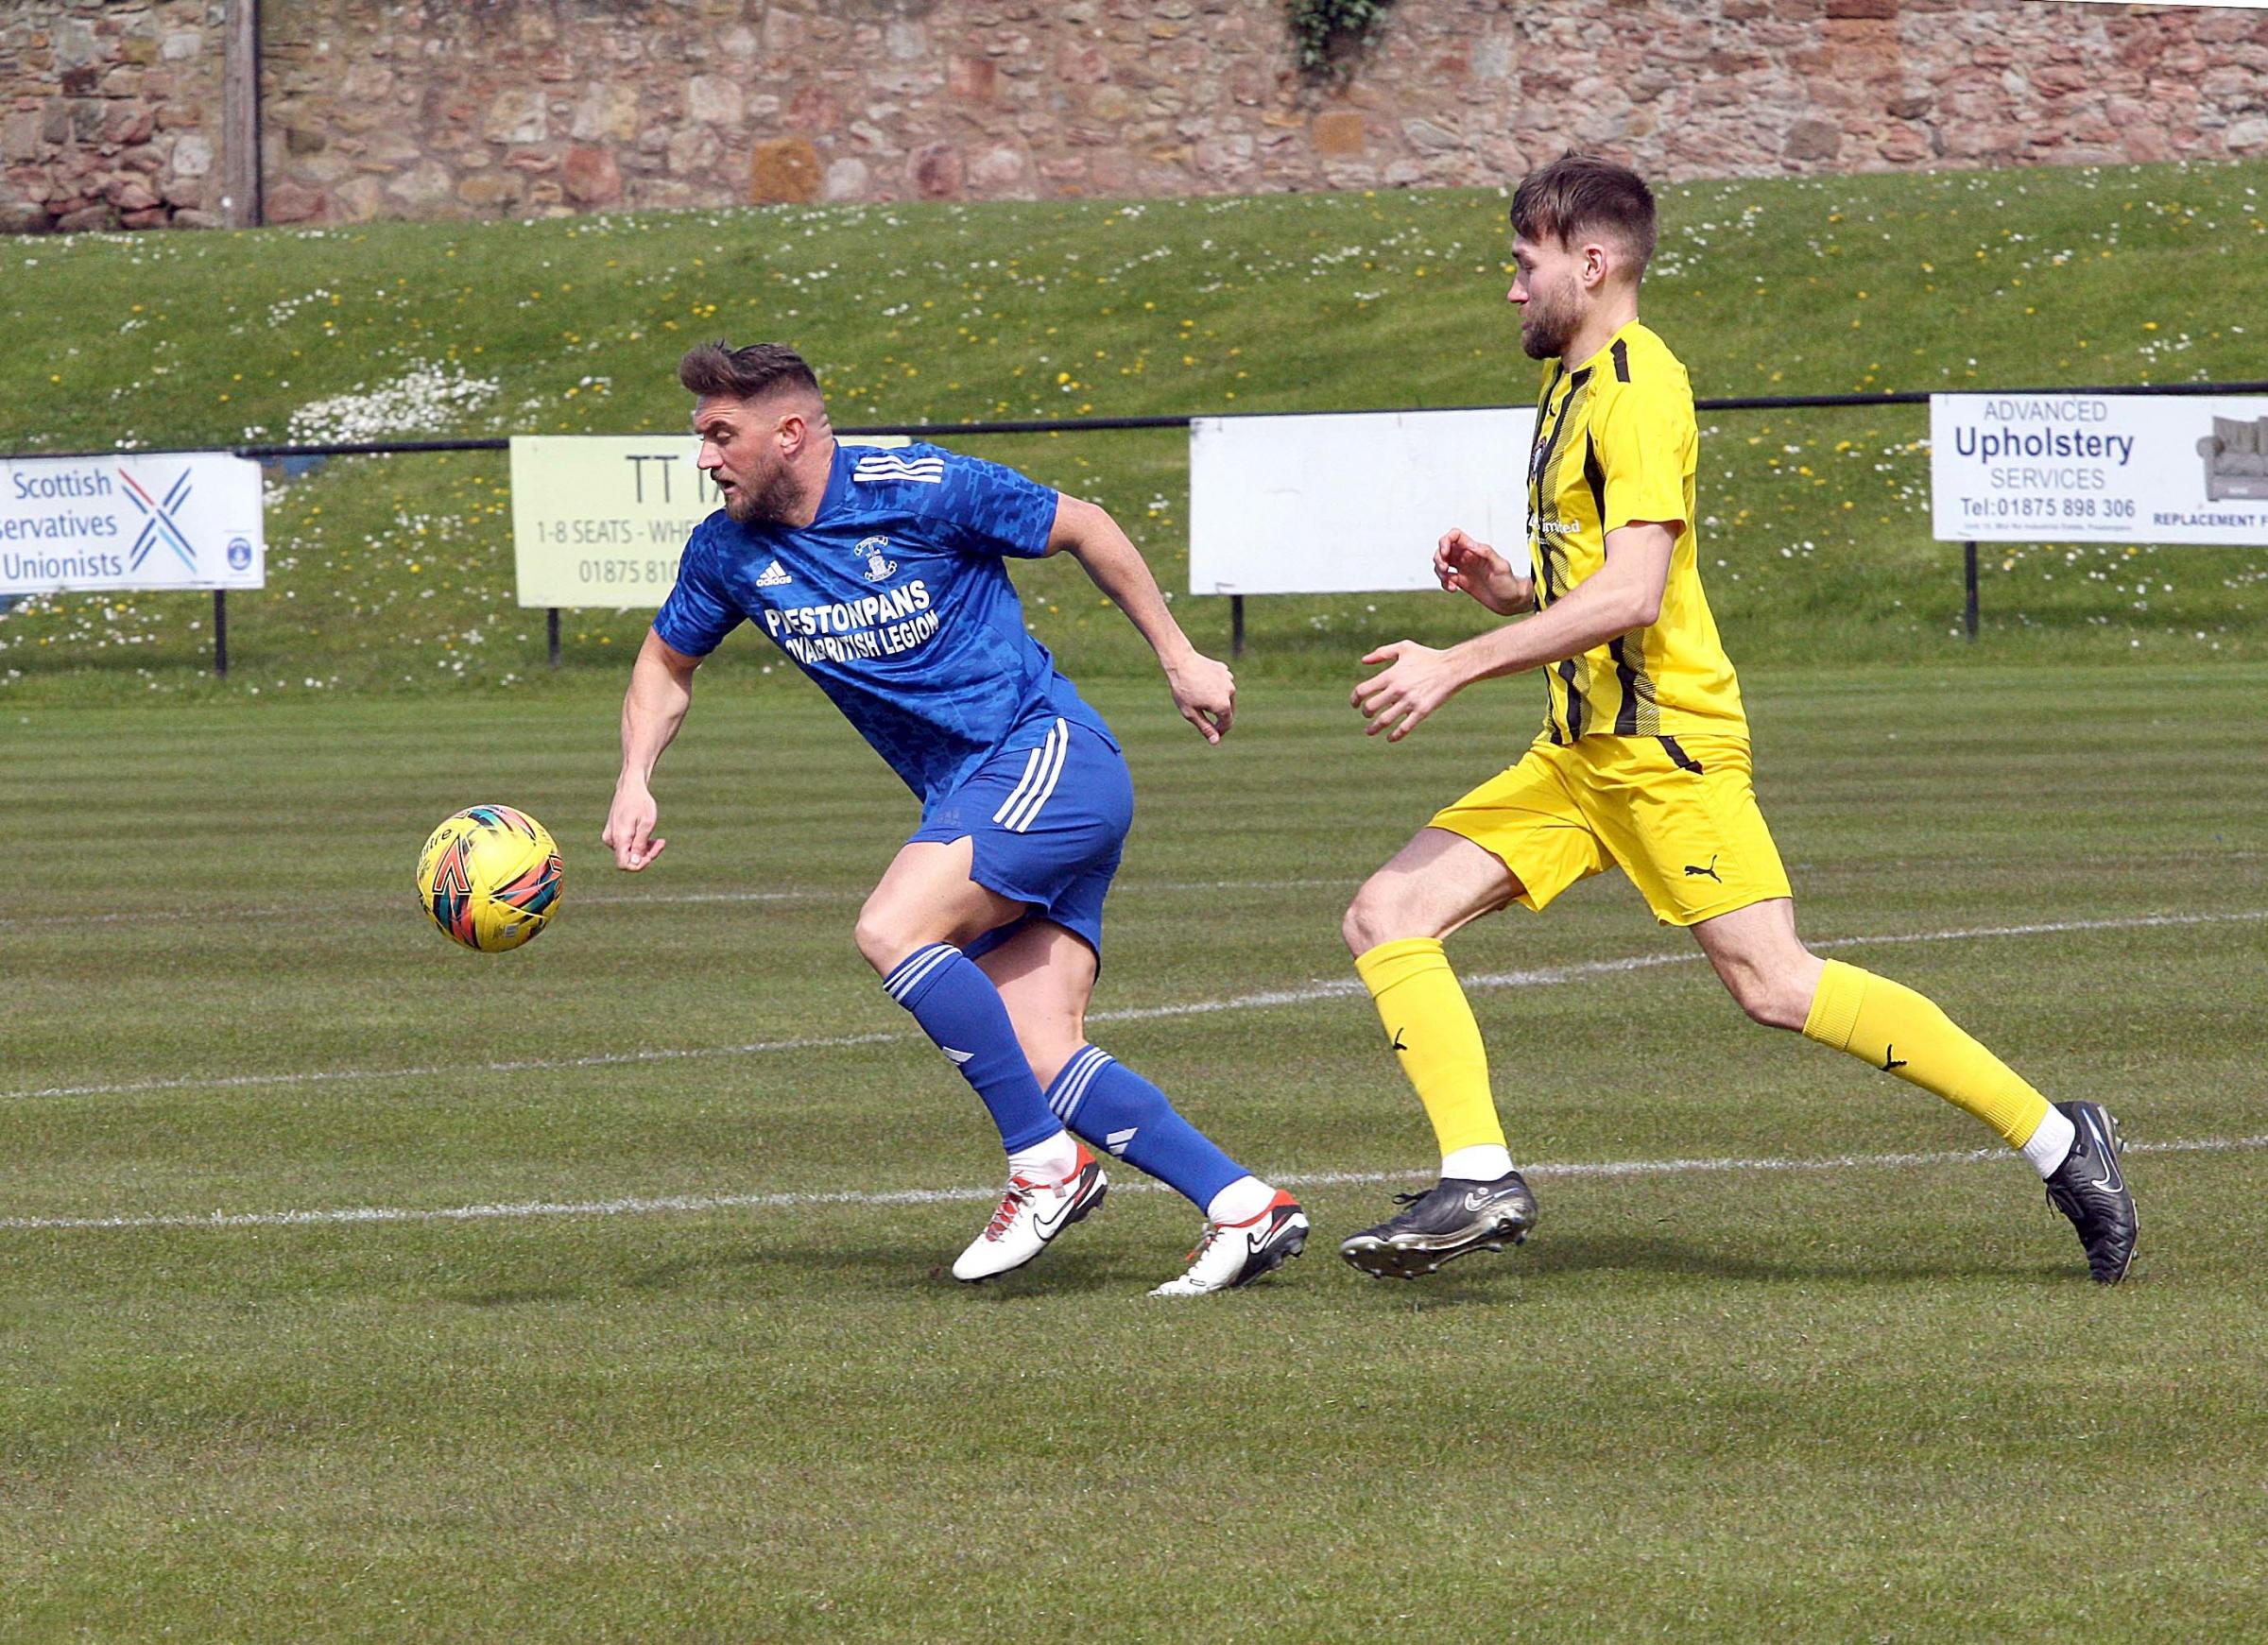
1886 1024
1432 1028
1902 1033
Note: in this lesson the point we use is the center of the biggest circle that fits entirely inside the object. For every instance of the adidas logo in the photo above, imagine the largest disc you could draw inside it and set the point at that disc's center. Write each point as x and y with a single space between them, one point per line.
773 577
879 469
958 1058
1118 1141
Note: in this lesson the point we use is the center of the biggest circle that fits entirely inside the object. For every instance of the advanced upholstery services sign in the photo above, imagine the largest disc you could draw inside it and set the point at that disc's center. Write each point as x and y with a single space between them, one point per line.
2098 468
148 521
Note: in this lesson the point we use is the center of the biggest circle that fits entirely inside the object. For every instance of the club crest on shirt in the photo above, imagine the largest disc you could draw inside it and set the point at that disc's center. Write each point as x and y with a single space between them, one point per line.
874 551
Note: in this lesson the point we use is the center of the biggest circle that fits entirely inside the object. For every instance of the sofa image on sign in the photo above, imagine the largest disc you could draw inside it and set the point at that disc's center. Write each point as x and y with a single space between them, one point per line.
2236 458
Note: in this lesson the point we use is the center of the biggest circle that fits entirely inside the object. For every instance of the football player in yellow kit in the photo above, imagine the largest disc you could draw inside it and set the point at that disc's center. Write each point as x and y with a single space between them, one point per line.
1642 764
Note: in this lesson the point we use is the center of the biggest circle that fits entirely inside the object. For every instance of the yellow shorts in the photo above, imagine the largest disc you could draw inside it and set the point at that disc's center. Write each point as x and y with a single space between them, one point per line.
1675 813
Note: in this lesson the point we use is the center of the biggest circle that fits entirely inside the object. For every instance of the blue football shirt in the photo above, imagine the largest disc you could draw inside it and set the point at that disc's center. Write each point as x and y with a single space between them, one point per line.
896 601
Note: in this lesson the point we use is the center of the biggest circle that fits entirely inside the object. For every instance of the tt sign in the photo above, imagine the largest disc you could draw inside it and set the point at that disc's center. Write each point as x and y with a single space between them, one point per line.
150 520
600 520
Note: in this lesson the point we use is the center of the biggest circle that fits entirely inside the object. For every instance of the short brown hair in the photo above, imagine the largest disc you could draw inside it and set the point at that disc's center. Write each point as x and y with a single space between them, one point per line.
718 368
1580 194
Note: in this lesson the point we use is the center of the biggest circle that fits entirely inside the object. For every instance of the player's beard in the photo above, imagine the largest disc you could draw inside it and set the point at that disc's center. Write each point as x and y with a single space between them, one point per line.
768 502
1548 324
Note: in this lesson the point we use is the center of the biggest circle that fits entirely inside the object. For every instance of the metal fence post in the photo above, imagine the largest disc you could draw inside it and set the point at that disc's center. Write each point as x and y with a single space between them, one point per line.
1968 608
220 633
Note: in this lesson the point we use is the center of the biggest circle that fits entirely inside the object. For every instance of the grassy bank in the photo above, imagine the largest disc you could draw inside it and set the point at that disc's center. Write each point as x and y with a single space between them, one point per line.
395 574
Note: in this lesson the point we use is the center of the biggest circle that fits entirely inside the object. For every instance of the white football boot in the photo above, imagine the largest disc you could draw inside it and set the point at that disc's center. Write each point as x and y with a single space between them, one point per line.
1234 1253
1031 1213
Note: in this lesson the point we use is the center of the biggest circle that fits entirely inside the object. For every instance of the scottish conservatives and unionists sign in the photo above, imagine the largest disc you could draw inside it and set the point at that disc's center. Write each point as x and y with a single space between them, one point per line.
2098 468
150 520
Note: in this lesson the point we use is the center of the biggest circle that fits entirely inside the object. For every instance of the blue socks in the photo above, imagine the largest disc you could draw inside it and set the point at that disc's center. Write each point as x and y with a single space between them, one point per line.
959 1008
1096 1097
1111 1105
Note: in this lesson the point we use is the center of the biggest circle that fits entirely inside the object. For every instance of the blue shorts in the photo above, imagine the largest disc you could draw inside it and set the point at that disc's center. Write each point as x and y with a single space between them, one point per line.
1047 817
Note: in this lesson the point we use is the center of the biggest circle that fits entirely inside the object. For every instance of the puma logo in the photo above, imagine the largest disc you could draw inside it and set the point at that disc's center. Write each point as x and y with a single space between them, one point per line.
1891 1061
1710 872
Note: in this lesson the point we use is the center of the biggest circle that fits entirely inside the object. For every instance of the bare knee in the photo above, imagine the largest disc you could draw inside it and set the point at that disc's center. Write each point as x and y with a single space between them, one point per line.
1382 912
1434 885
1776 996
884 936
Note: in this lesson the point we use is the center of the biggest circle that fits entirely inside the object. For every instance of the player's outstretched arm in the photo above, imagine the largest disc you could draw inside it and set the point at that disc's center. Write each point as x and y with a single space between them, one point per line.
1622 594
1466 565
652 710
1203 689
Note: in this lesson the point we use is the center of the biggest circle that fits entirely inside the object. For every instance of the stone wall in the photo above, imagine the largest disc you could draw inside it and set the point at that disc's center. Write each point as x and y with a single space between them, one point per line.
109 110
110 115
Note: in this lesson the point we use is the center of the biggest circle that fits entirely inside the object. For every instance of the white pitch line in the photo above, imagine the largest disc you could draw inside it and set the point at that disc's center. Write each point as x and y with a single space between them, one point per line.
525 1064
233 916
859 893
1542 977
632 1205
237 915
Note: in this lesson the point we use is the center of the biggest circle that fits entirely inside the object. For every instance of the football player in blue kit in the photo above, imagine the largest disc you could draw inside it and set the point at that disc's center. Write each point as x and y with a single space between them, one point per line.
879 571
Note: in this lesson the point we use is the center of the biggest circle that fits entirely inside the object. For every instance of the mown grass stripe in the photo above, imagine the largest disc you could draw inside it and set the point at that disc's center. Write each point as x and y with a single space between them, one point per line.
657 1205
233 916
1543 976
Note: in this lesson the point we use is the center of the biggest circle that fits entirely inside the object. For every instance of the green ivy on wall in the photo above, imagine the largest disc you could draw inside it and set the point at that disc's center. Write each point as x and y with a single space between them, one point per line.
1318 24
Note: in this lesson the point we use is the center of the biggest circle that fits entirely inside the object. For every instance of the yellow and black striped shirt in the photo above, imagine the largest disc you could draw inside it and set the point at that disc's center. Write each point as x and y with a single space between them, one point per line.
1616 443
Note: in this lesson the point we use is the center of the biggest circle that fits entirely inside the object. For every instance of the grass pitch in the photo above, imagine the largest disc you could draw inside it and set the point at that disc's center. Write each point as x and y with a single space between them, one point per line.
354 1286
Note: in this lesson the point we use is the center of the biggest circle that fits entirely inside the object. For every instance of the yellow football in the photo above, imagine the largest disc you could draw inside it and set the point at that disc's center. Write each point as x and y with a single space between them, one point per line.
489 877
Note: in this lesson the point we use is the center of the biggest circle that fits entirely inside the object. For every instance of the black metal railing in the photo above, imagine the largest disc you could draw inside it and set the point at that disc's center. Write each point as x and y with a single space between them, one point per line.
278 452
